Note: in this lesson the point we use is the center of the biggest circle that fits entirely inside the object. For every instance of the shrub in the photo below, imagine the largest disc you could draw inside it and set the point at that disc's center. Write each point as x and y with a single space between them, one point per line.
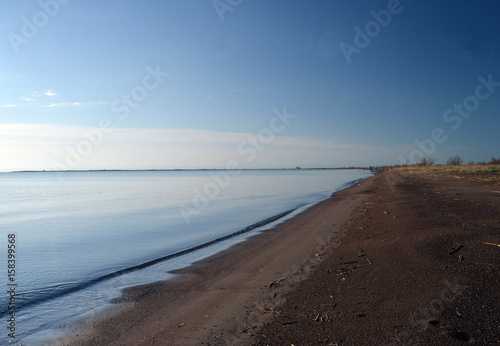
426 161
495 161
454 161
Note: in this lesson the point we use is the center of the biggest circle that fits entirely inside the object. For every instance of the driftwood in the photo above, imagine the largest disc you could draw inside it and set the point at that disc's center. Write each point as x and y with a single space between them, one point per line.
456 249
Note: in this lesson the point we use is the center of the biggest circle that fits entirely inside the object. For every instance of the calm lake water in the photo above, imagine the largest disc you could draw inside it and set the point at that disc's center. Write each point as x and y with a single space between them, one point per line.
81 237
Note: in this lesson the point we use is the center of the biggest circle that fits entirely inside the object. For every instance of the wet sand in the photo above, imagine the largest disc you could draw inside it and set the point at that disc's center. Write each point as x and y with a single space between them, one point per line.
396 259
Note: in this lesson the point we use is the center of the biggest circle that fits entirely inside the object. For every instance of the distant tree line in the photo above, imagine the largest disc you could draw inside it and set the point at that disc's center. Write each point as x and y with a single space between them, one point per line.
428 161
493 161
457 161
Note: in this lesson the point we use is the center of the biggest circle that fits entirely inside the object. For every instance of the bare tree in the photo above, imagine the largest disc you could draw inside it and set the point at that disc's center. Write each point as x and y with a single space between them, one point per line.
426 161
495 161
455 161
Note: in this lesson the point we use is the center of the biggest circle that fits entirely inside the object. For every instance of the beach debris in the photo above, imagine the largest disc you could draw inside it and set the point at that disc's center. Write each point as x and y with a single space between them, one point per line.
458 248
369 261
434 323
265 308
181 325
290 323
274 284
459 335
320 318
493 244
361 315
386 212
460 257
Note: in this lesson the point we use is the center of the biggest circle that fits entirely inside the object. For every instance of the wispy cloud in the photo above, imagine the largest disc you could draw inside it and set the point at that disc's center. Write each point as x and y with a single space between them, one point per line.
50 93
36 95
8 106
61 104
37 99
75 104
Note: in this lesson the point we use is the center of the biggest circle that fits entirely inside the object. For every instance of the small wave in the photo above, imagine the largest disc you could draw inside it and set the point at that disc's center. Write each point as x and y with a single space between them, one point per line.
29 298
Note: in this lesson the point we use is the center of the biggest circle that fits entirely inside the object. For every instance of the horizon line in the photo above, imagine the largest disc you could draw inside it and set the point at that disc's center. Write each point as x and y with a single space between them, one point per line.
184 169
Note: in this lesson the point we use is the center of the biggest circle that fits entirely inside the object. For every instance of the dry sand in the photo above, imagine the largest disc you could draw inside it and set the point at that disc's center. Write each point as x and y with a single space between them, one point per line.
414 269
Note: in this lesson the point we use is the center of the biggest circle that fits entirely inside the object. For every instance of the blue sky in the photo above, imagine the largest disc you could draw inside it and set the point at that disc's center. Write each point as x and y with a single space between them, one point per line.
205 78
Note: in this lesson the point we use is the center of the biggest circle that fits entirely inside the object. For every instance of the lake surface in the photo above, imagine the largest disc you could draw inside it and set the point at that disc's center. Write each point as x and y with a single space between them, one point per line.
81 237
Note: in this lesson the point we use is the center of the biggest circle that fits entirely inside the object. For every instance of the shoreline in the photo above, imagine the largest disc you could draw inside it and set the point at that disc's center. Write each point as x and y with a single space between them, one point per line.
197 283
398 258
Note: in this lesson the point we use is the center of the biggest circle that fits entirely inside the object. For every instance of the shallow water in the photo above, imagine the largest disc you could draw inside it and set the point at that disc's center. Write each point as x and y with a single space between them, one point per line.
80 236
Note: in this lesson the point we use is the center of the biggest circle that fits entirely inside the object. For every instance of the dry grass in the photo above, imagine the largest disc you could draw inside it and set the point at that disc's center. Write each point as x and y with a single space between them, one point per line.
477 173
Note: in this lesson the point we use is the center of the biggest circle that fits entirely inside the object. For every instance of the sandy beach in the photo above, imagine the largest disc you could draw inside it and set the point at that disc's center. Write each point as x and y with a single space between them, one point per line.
418 266
396 259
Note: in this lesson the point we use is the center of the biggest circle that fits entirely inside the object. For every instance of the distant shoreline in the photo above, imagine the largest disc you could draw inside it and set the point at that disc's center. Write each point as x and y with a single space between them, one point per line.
187 170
